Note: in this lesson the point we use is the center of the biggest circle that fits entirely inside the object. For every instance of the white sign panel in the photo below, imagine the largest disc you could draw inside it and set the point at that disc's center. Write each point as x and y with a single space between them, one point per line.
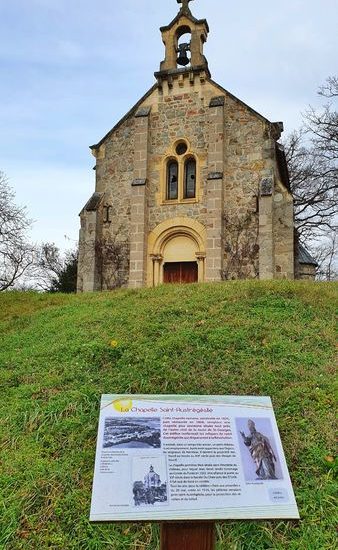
172 457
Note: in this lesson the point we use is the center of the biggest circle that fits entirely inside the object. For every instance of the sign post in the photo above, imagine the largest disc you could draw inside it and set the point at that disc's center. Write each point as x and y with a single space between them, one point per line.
187 461
188 536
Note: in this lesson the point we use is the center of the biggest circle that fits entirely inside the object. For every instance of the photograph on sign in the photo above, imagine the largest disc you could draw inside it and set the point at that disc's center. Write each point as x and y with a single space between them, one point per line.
149 477
171 458
258 449
129 433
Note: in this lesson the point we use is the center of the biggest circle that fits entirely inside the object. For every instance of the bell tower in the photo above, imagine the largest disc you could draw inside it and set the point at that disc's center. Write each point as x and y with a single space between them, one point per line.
184 40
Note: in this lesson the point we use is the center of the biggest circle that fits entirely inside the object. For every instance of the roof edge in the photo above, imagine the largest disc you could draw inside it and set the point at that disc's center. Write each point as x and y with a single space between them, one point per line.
93 202
235 98
153 88
283 167
304 256
188 16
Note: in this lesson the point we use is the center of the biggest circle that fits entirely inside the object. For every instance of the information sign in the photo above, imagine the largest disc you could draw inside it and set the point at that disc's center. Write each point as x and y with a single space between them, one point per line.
174 458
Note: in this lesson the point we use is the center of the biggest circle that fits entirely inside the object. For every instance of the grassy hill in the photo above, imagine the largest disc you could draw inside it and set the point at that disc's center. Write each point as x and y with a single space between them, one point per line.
252 338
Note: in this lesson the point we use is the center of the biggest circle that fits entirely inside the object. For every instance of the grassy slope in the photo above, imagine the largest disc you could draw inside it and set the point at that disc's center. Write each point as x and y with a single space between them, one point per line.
272 339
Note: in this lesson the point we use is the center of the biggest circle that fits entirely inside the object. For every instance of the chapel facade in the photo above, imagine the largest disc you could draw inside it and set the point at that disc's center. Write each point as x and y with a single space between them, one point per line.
192 184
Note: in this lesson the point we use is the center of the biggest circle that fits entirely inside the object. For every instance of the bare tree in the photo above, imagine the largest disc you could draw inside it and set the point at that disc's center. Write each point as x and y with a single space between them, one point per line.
53 271
16 254
312 156
327 258
330 88
323 129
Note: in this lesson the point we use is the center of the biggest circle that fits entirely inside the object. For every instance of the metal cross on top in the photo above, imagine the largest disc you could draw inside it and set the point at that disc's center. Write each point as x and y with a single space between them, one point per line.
185 4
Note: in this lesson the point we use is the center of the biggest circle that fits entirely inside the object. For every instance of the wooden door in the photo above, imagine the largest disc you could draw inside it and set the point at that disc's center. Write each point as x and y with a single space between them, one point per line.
180 272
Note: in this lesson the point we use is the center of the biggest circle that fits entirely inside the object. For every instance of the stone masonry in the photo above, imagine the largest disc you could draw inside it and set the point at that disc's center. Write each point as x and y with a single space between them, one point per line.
139 200
215 191
240 222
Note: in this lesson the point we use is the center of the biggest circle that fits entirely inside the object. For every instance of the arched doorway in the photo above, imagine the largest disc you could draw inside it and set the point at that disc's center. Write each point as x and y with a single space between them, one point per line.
177 252
179 259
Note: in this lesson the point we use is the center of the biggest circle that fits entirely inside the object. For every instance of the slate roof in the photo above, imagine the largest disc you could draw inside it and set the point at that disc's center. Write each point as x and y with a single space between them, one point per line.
304 257
93 203
283 166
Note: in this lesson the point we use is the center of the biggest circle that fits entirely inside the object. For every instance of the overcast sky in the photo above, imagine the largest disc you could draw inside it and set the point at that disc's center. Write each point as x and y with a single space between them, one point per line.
70 69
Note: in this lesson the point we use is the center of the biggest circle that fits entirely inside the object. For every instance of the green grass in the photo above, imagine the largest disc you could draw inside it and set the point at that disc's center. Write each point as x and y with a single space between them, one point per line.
252 338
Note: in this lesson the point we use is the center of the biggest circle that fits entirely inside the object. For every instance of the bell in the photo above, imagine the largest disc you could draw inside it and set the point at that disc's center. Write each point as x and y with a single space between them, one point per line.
183 58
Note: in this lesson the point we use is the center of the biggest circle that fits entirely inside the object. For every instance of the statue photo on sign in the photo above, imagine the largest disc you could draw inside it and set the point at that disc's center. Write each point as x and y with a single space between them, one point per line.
261 452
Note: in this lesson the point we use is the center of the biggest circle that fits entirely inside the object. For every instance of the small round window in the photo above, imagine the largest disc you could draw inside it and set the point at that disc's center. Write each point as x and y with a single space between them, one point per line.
181 148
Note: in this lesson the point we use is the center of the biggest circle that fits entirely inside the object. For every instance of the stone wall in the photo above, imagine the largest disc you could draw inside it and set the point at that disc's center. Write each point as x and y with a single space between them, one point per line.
88 277
178 115
114 176
283 233
139 202
235 151
245 166
243 137
306 272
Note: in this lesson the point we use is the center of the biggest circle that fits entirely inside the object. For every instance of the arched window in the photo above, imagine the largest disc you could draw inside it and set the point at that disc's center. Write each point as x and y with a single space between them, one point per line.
179 179
172 180
190 179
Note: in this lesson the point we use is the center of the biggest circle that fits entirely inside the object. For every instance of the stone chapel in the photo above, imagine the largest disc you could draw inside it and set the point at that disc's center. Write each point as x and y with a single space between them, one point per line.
192 184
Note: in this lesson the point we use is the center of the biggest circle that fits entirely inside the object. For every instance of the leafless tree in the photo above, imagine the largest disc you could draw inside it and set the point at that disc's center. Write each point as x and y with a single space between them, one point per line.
312 156
327 257
16 254
54 271
330 88
323 128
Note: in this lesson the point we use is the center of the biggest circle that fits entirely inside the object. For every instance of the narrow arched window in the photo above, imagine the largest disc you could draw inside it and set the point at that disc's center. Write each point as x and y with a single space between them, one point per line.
172 180
190 179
